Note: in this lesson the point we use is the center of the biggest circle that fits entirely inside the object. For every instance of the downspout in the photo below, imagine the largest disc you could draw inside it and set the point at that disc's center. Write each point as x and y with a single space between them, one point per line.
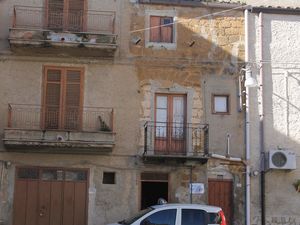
261 123
247 122
191 183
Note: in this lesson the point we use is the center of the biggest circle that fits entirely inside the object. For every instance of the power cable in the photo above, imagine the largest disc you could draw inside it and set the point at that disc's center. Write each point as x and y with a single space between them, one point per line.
198 17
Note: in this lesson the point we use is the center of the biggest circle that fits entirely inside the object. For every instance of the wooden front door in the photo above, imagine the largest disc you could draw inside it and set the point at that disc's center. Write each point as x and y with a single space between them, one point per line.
50 196
220 194
170 124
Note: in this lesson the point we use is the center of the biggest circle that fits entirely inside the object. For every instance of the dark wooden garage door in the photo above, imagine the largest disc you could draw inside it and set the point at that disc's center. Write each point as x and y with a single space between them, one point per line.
50 196
220 194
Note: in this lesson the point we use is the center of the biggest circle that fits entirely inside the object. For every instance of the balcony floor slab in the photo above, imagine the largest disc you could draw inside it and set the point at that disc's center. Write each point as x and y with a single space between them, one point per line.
73 142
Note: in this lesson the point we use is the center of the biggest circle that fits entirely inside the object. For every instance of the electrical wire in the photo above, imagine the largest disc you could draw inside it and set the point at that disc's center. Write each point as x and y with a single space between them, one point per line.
198 17
214 14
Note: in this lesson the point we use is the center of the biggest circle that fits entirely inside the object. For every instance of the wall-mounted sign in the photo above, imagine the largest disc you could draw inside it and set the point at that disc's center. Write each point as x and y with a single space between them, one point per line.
92 190
197 188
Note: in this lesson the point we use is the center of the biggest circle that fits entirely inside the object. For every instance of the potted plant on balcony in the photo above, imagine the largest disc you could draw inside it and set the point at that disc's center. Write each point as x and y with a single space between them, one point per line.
297 185
103 125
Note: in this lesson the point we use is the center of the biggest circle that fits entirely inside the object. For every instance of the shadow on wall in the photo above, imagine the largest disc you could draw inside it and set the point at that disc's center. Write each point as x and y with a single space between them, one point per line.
215 44
281 123
205 48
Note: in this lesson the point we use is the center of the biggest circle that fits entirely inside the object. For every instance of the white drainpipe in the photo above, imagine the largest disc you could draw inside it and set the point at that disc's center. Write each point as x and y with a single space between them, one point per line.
261 122
247 122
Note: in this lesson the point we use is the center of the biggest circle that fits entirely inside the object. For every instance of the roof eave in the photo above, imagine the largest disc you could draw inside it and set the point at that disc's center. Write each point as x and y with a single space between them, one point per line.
272 10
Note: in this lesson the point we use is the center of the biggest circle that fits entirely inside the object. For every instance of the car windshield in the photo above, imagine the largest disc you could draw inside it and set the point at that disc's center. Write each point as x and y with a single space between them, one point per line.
136 217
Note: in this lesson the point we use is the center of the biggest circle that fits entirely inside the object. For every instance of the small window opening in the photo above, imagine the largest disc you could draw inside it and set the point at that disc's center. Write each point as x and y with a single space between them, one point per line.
109 178
220 104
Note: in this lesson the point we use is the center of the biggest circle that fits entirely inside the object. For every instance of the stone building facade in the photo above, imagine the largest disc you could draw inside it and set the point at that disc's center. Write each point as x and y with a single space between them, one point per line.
99 111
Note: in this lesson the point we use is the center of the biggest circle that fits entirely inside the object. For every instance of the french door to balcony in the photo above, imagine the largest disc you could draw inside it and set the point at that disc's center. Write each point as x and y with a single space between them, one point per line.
170 124
65 15
63 98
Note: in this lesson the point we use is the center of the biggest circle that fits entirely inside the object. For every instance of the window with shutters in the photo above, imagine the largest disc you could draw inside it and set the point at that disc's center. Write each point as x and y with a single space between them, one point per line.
62 106
162 29
67 15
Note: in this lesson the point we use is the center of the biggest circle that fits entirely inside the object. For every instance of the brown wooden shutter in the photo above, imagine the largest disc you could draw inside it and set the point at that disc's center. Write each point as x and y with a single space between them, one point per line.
72 100
55 14
53 99
155 32
66 15
63 99
75 15
167 31
76 4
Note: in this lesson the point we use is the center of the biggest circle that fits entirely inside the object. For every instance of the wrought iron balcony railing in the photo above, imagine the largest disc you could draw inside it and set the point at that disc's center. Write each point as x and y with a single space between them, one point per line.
162 138
91 21
35 117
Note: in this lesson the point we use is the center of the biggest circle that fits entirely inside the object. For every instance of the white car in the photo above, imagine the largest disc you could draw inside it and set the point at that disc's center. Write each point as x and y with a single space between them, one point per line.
177 214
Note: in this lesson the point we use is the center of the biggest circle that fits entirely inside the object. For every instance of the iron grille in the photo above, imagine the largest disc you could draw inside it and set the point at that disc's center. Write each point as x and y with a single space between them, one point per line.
186 139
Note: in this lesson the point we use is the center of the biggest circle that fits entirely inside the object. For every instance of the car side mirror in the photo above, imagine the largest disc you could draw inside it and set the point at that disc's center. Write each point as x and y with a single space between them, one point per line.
219 220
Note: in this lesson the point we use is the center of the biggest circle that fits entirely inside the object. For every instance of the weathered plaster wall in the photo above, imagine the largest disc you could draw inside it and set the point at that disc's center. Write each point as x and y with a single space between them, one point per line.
107 203
234 171
222 126
118 6
126 83
216 38
210 66
104 205
22 83
6 12
281 118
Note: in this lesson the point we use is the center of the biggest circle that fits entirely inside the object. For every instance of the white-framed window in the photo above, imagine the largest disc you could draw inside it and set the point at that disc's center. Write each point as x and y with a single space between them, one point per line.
220 104
162 29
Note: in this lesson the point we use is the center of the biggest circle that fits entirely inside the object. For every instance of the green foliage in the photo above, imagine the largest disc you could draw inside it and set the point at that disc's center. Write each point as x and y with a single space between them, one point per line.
297 185
103 125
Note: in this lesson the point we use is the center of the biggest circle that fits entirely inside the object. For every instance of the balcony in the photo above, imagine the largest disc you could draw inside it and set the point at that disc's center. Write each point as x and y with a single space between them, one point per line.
175 141
79 33
88 131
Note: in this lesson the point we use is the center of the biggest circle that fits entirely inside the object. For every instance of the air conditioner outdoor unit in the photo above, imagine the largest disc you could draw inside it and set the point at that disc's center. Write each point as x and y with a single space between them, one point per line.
281 159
